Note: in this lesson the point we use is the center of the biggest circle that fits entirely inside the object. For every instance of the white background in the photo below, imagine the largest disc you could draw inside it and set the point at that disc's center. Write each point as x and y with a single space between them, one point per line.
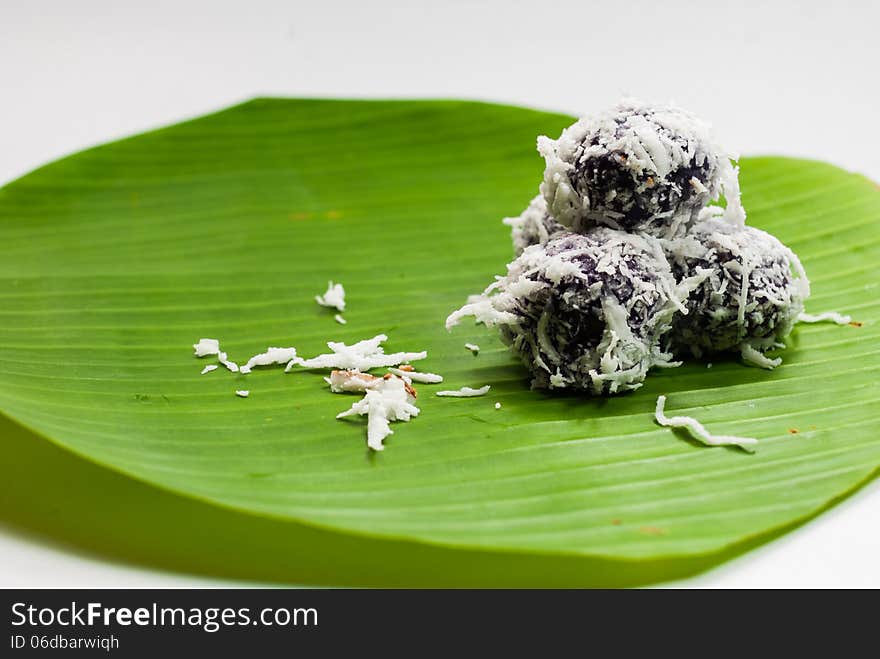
794 78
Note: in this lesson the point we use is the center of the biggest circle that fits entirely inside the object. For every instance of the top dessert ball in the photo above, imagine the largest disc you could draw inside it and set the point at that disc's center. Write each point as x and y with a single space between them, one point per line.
637 168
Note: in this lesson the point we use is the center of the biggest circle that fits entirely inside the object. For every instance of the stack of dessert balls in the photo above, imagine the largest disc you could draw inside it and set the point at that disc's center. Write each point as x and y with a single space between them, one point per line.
626 260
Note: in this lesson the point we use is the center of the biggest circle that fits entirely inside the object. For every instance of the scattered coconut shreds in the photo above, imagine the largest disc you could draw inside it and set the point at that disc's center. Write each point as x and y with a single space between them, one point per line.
386 399
351 381
339 319
361 356
415 376
758 358
465 392
473 347
270 357
497 406
699 431
232 366
827 317
390 399
206 347
334 297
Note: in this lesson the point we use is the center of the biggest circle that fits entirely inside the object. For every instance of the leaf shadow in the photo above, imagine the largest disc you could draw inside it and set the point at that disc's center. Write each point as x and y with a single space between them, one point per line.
53 497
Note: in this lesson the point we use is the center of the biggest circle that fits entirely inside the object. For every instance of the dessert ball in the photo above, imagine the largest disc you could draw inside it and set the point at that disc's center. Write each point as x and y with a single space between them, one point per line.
637 168
584 311
753 288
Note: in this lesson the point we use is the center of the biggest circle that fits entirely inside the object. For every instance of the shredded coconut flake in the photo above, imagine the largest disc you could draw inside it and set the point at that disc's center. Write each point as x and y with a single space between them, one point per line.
483 310
243 393
223 359
533 226
361 356
339 319
752 356
270 357
209 368
827 317
415 376
699 431
465 392
334 297
473 347
389 400
206 347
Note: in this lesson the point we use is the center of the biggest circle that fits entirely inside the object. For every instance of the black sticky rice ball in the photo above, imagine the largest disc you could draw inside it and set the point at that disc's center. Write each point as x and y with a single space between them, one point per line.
723 313
583 311
636 168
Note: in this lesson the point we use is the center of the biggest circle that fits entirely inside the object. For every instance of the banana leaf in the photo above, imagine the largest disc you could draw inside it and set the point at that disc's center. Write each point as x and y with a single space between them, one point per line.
117 259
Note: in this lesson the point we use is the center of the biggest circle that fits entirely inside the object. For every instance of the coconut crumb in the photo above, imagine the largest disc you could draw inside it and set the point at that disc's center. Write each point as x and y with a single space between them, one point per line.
209 368
473 347
465 392
242 393
497 406
334 297
206 347
390 399
339 319
415 376
268 358
361 356
826 317
223 359
699 431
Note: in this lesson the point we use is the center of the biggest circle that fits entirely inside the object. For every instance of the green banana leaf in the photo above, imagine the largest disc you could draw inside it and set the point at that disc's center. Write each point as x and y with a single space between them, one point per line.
116 260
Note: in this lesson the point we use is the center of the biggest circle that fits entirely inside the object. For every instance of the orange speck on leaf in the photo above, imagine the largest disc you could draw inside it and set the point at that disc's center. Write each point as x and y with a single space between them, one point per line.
856 323
652 530
793 431
616 522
